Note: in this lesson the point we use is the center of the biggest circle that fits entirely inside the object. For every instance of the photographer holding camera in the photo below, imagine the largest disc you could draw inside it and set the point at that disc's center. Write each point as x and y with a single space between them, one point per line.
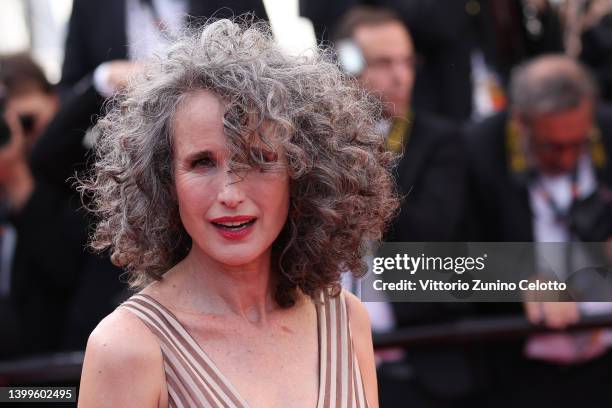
39 224
28 103
27 94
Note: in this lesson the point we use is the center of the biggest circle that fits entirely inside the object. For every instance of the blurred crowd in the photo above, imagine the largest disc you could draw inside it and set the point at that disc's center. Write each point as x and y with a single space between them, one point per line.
499 109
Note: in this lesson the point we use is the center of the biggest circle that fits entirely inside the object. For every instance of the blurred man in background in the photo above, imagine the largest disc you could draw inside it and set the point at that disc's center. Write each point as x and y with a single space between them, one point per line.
541 173
105 39
465 48
374 46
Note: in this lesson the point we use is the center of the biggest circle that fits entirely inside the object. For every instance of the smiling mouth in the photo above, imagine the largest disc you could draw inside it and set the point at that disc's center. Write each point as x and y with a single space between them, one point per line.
234 226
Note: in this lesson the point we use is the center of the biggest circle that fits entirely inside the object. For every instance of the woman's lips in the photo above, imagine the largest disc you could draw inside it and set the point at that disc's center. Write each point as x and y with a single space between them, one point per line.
233 218
234 227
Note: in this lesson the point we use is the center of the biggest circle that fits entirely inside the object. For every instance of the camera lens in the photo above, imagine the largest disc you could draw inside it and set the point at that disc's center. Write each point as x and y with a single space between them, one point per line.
5 132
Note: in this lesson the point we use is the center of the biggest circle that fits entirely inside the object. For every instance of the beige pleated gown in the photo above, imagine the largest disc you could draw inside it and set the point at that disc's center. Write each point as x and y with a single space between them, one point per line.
194 380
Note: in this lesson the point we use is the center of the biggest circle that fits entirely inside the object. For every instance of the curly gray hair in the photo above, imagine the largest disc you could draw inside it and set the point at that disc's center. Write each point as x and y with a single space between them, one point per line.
341 192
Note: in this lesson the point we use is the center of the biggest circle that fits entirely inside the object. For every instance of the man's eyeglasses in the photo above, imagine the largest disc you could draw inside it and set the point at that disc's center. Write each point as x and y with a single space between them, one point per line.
561 147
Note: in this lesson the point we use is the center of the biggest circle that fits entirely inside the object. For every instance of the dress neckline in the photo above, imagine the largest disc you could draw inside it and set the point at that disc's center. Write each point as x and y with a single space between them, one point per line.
210 362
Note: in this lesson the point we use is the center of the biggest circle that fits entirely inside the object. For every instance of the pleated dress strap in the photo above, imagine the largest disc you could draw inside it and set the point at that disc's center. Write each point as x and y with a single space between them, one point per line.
192 378
340 384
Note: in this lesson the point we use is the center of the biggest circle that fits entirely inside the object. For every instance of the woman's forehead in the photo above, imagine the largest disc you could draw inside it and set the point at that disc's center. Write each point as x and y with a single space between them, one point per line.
198 123
201 106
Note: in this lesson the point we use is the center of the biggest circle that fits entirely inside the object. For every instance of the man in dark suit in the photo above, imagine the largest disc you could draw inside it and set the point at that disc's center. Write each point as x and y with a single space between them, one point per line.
540 173
98 31
430 172
448 34
374 45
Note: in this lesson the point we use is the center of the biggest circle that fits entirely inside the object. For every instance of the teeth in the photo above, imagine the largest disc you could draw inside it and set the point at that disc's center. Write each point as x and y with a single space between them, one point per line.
232 224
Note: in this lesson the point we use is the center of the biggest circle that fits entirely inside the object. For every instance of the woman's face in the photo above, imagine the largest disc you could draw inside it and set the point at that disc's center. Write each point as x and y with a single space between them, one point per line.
232 219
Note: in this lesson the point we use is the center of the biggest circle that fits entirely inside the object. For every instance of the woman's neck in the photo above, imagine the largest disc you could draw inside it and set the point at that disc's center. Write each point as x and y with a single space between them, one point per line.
201 285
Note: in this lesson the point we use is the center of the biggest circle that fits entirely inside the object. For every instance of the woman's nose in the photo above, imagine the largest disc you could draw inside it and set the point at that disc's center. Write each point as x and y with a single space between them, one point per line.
231 193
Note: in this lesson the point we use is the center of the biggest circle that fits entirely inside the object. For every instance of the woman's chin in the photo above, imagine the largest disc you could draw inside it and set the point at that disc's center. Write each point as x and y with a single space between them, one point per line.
234 257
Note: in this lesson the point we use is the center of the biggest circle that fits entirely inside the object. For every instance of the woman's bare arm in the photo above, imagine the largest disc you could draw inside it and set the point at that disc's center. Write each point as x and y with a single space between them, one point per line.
123 365
362 341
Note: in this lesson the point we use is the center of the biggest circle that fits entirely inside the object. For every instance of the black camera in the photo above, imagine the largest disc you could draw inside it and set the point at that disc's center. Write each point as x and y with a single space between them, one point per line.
5 131
27 122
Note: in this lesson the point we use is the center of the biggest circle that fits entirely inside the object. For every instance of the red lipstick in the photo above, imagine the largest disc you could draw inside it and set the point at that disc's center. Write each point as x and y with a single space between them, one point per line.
233 218
234 227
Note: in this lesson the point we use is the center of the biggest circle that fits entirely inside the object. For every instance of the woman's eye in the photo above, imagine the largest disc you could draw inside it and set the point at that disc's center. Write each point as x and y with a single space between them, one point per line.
205 162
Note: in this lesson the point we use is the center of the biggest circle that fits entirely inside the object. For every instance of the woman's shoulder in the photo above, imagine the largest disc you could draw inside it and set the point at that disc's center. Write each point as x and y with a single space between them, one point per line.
123 363
125 334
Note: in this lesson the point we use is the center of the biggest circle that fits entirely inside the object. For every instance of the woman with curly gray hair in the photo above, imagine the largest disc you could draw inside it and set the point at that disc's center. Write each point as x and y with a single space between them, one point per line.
235 183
